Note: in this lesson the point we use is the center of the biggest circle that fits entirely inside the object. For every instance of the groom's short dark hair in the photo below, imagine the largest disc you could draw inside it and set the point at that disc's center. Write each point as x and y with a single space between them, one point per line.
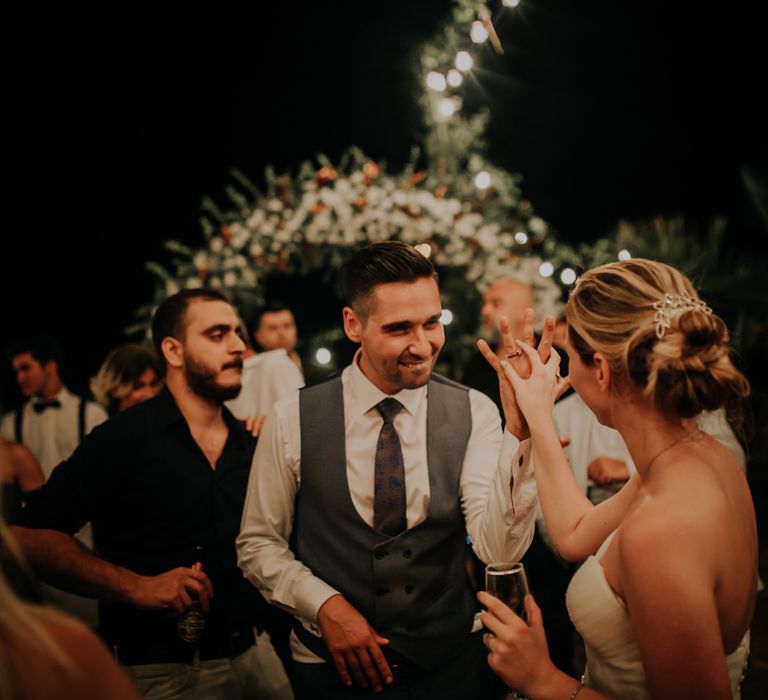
381 263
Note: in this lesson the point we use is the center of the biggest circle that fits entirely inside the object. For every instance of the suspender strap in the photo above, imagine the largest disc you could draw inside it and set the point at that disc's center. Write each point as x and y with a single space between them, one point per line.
81 420
18 422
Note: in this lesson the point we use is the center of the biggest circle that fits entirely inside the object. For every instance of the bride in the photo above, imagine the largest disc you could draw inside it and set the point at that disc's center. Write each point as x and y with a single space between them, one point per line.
666 593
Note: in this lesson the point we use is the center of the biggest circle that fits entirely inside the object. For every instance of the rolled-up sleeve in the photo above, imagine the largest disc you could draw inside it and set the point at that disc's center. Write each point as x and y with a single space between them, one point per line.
498 488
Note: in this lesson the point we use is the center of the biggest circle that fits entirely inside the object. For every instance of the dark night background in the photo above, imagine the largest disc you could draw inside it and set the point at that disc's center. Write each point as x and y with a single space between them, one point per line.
121 121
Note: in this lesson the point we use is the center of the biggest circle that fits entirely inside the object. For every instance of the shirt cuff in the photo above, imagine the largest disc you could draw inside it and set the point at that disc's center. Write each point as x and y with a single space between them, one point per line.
515 454
310 595
522 462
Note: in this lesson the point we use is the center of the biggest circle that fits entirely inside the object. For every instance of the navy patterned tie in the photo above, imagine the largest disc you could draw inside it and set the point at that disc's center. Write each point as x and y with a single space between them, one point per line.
389 478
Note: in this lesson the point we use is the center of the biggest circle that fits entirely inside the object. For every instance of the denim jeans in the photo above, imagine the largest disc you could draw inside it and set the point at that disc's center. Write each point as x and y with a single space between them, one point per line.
257 674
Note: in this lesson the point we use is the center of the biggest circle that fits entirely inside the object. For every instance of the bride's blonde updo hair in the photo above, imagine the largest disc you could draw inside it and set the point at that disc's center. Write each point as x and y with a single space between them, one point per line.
676 352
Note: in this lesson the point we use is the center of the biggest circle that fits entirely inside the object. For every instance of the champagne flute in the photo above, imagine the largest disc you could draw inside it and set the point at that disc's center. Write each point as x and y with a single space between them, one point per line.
507 582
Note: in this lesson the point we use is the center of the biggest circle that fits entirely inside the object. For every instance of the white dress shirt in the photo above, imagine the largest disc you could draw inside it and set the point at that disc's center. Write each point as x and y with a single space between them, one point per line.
499 519
267 378
589 438
53 435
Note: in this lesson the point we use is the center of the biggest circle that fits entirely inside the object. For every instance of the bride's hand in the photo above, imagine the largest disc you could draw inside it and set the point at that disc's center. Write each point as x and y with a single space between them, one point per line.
516 358
536 393
518 651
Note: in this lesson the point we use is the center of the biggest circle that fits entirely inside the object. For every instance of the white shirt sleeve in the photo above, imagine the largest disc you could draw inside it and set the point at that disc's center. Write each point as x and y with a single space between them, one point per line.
262 545
498 488
94 415
716 424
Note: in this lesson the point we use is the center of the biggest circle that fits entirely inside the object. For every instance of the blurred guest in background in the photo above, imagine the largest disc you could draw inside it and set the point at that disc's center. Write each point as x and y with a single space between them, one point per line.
274 327
52 421
267 377
129 375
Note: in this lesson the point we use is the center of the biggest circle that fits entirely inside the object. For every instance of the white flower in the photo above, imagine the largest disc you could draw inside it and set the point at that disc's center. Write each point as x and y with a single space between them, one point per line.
255 250
217 244
453 206
537 225
309 200
194 283
249 277
230 279
274 204
171 287
254 220
466 225
240 237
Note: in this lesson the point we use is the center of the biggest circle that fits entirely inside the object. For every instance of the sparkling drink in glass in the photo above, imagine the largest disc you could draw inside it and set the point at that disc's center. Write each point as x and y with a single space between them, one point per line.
507 582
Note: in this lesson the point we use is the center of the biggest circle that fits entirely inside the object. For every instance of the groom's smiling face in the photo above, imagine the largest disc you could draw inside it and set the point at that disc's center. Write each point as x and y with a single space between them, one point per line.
401 335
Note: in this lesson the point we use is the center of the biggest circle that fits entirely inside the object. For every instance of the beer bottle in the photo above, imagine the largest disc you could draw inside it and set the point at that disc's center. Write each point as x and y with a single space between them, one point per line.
191 623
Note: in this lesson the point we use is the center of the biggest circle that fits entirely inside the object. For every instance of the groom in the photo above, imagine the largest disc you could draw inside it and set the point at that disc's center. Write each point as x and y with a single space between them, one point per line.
361 494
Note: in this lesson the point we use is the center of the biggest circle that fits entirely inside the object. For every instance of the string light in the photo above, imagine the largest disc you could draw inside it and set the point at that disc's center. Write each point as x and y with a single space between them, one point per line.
323 356
568 276
464 61
446 317
483 180
478 33
521 237
454 78
446 107
436 81
424 248
546 269
624 254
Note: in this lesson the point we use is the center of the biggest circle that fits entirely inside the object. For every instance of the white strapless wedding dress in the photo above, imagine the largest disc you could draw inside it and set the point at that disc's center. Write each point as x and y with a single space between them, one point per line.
614 667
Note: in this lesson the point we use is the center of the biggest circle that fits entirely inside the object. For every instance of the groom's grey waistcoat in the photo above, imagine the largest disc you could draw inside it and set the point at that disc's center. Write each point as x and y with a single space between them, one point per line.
412 588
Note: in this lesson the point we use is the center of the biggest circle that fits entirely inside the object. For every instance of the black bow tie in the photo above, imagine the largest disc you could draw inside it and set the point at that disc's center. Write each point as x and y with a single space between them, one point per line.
40 406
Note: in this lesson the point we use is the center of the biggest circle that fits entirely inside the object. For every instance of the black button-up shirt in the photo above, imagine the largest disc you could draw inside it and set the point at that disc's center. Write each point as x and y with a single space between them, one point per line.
152 497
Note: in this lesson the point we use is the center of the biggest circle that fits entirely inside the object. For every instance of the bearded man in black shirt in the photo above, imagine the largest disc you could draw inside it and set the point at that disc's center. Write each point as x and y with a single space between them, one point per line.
163 484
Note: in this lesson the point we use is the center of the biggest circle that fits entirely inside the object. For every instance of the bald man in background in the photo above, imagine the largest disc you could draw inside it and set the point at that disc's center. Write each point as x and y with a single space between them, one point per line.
505 297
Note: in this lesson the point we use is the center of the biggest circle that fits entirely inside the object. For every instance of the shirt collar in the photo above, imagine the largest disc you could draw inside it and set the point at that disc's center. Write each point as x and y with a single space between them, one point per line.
367 395
61 395
168 413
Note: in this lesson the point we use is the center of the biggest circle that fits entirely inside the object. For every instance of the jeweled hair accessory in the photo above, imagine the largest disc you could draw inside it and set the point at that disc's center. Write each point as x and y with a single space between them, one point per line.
670 306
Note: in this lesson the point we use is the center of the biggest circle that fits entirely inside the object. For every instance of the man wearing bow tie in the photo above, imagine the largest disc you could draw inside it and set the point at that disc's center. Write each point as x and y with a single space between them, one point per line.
52 421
